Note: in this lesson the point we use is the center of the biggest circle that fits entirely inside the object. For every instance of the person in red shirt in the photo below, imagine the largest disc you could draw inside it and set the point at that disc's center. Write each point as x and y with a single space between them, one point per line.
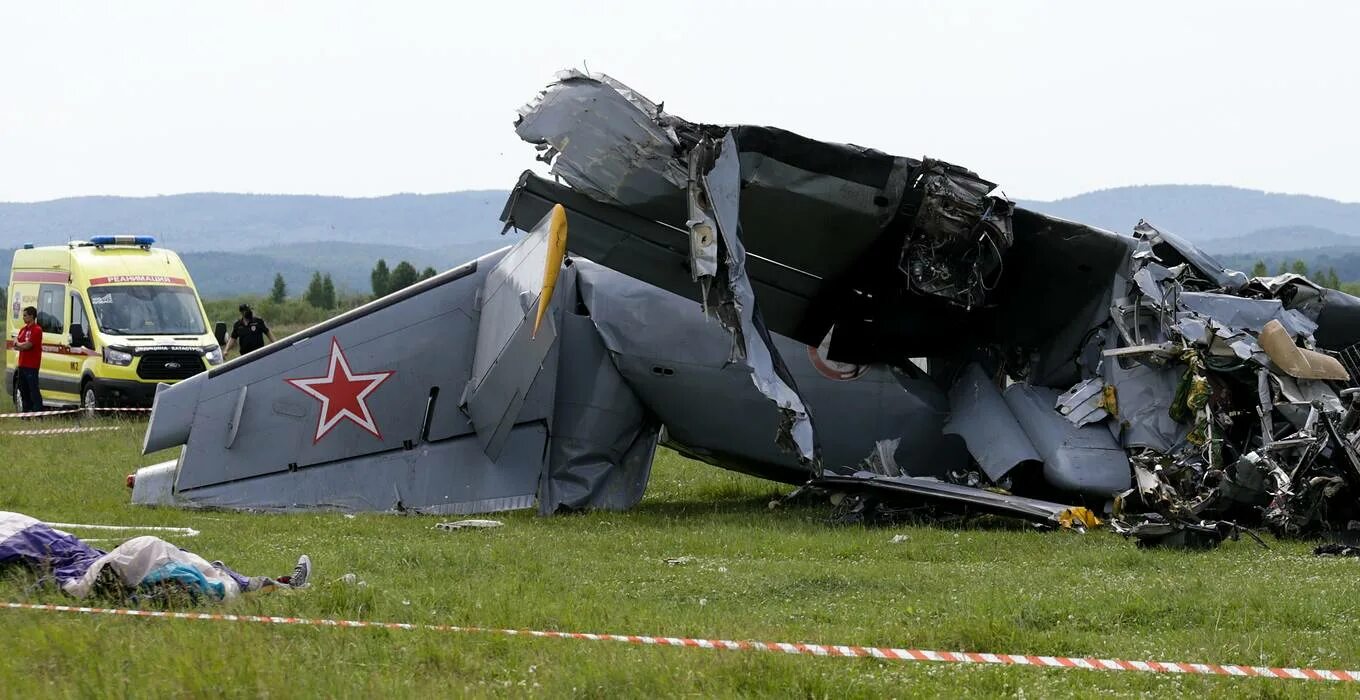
29 345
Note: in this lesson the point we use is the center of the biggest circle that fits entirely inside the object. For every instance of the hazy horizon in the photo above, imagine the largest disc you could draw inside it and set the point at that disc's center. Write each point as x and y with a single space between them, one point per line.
506 189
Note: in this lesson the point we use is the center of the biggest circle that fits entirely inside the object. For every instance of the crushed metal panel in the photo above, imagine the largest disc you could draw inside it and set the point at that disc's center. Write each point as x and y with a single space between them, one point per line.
1084 403
981 417
611 143
1143 395
1246 314
1173 250
1084 459
797 189
735 306
603 436
1338 320
678 366
605 144
860 405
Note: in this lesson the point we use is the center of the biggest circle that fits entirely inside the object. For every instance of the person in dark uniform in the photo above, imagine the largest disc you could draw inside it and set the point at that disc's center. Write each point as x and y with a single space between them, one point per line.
249 331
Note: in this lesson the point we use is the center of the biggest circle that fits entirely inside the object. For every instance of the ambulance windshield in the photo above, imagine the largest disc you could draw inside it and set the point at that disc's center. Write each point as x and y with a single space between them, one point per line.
147 309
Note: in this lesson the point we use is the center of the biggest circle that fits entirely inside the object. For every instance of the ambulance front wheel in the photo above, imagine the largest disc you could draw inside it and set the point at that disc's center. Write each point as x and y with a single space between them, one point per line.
88 399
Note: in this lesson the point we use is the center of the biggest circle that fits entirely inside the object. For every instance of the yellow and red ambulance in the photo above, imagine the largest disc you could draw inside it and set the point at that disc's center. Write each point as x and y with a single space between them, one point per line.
118 315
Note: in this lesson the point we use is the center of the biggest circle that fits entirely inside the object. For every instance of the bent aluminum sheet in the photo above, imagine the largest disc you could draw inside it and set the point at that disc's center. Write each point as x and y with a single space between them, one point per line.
581 120
1246 314
1085 459
981 417
679 366
950 496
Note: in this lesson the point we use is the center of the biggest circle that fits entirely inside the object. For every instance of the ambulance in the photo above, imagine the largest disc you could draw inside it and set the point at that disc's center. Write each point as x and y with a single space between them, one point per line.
118 316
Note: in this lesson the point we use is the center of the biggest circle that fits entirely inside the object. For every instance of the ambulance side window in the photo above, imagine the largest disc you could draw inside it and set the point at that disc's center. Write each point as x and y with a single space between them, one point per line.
78 313
51 307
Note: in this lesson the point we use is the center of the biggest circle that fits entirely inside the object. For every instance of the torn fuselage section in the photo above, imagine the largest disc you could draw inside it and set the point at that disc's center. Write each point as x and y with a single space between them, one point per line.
741 189
917 247
660 173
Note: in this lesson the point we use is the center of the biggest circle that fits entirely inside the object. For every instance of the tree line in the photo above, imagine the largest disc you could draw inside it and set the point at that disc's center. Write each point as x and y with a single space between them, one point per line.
384 281
1326 278
321 294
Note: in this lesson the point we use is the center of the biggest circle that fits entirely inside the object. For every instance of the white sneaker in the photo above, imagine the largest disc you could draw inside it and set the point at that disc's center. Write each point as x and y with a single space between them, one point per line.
301 572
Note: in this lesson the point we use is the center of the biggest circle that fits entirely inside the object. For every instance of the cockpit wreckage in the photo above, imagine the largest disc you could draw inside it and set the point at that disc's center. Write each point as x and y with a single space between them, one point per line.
876 326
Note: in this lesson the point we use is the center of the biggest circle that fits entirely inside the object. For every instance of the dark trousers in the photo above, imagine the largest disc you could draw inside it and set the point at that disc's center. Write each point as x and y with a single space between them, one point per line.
26 380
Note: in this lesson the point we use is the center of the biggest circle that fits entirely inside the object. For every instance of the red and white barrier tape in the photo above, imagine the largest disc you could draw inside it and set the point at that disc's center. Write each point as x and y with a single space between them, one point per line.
65 411
1087 663
62 431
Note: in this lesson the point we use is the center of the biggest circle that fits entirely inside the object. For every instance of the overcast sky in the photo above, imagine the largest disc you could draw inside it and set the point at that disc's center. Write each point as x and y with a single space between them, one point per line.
1047 99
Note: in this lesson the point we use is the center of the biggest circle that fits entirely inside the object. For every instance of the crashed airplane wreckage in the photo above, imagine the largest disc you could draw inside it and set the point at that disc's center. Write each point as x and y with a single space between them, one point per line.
803 311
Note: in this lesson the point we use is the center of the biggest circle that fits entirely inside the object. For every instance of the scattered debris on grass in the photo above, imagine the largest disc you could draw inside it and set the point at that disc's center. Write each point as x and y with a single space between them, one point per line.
1333 549
470 524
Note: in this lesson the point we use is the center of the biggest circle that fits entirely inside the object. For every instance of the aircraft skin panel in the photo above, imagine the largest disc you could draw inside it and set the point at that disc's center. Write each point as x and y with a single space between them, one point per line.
449 477
642 248
678 366
176 412
498 400
510 358
704 406
508 294
385 355
855 406
603 437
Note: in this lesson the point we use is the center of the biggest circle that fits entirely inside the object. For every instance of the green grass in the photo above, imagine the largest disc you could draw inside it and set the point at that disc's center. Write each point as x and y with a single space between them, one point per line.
756 573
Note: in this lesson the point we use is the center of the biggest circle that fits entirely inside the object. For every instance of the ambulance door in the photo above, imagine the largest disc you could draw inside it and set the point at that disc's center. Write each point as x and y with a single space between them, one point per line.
81 347
58 381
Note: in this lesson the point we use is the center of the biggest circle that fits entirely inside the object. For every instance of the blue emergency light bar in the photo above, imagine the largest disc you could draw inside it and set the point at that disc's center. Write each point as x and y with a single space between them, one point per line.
123 240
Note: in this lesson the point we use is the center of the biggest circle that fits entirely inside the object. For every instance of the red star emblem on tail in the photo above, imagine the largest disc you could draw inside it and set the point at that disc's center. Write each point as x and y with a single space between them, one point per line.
342 394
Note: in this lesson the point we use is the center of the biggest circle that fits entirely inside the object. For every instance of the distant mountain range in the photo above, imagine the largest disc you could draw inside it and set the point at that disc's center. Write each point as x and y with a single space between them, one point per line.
238 222
234 243
1203 212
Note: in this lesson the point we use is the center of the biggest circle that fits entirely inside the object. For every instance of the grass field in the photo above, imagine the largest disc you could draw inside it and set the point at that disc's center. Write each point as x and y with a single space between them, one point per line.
755 573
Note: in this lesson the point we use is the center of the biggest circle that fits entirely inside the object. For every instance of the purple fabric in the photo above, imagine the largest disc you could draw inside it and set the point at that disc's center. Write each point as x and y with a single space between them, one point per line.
43 548
242 581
